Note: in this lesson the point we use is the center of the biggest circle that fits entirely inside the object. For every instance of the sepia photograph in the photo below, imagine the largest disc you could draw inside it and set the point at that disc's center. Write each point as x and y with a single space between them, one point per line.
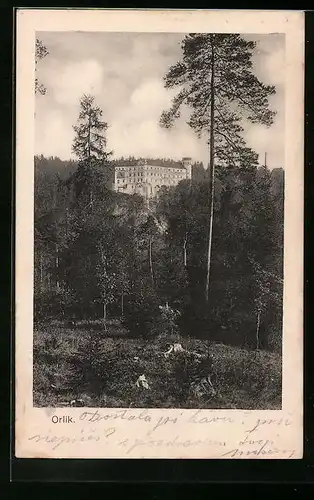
159 240
159 218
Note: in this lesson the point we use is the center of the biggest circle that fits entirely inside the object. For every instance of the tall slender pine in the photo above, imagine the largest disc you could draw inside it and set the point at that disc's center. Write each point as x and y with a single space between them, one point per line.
215 79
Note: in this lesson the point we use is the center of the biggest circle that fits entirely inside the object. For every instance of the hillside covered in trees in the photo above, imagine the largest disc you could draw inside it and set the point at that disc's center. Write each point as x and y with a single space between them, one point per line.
122 285
155 258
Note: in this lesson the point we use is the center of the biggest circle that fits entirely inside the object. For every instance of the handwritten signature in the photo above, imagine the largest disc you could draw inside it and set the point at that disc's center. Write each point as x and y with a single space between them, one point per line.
265 449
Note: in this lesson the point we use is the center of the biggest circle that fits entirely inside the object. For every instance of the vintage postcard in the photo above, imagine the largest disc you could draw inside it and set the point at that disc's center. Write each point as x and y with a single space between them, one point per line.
159 234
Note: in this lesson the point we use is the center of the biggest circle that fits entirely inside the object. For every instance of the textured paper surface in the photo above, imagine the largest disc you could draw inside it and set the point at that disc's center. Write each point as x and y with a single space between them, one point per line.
156 433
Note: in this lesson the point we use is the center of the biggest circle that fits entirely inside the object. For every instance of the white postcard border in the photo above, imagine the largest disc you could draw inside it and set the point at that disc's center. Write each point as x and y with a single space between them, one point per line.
36 434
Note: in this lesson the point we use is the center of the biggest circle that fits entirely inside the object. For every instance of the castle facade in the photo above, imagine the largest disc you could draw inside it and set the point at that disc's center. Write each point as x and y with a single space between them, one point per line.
146 178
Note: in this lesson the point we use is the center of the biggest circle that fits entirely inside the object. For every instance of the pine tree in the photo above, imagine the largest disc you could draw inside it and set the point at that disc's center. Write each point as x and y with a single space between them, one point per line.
216 81
90 142
90 145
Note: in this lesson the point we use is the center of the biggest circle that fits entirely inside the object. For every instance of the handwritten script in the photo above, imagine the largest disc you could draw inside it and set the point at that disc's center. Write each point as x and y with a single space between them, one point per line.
136 433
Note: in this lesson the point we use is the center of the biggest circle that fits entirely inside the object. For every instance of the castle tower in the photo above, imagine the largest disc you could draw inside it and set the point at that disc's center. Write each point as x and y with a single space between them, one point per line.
187 163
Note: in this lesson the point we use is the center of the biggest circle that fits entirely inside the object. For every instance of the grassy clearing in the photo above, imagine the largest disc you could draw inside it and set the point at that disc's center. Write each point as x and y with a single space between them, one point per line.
101 368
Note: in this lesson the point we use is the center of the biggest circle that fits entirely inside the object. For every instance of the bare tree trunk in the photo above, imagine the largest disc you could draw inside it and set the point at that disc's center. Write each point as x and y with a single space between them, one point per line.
89 134
89 155
57 268
211 169
66 223
185 251
54 196
258 323
40 271
103 262
151 260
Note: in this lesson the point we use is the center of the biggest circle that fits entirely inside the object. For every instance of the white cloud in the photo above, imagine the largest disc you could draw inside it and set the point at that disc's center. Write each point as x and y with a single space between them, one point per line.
125 74
70 81
54 135
150 98
136 130
272 59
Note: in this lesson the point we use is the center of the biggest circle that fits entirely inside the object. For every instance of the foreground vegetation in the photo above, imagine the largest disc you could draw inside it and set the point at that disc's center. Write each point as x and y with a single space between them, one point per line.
85 366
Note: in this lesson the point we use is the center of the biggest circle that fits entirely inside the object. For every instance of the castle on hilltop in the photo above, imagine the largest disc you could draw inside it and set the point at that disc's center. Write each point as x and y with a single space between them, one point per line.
146 177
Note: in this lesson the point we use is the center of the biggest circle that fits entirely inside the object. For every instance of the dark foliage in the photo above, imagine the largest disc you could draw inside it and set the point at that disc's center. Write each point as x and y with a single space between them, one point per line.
247 269
101 254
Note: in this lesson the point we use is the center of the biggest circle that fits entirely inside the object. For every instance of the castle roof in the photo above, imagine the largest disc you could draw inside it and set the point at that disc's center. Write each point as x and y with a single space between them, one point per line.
149 162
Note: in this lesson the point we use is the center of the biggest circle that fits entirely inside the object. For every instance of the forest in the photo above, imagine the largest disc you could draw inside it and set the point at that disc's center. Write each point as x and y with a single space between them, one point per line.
118 281
118 257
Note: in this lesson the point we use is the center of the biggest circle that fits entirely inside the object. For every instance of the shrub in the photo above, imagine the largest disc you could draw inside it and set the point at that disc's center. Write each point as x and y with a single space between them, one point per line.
53 303
275 339
142 315
169 319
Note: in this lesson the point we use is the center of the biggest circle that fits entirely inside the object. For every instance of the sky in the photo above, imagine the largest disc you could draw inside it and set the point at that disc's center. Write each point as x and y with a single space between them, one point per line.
124 71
